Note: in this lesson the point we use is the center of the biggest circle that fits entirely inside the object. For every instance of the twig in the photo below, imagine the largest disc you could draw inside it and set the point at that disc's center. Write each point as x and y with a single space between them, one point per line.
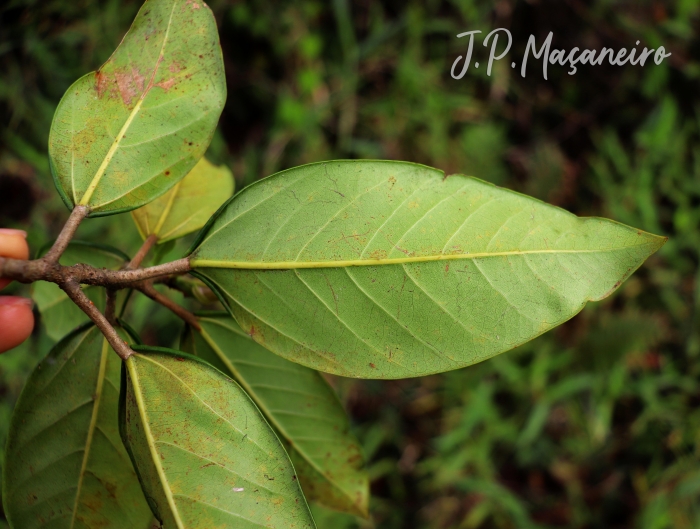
111 306
111 303
151 292
142 252
66 235
41 270
75 293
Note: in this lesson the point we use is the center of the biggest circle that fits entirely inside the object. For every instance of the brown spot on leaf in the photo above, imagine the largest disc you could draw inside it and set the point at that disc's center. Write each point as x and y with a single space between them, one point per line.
130 84
101 83
138 79
111 488
166 85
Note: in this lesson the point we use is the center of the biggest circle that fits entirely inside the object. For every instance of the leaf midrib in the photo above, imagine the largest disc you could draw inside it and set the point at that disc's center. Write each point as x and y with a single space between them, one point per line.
85 200
166 210
290 265
91 428
140 405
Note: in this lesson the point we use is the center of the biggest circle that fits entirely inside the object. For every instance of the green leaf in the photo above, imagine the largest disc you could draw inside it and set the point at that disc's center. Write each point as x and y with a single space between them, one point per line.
58 313
390 269
299 404
206 456
125 134
65 464
188 205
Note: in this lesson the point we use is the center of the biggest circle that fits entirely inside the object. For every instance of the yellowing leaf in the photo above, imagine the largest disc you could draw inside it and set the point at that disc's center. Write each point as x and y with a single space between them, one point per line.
188 205
125 134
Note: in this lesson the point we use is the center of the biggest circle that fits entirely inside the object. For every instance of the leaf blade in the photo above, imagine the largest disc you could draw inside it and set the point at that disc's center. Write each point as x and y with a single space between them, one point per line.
235 470
125 134
299 403
73 394
347 240
188 205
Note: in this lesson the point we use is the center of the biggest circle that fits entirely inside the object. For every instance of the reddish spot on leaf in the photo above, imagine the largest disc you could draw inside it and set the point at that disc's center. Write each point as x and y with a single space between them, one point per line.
101 83
166 85
372 365
179 359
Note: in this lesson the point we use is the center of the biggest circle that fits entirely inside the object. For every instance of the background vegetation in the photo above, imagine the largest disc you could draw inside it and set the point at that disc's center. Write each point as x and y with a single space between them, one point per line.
594 425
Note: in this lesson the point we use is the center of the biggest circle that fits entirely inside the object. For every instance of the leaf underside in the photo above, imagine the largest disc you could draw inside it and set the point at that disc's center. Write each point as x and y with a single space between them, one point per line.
299 404
65 464
58 313
188 205
206 456
123 135
389 269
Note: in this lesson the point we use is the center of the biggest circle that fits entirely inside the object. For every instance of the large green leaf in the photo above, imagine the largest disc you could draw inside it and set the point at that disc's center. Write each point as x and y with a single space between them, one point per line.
58 313
206 456
125 134
65 464
299 404
188 205
390 269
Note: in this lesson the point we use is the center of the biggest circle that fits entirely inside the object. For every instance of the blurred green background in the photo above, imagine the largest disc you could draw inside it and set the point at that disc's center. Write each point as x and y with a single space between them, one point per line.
593 425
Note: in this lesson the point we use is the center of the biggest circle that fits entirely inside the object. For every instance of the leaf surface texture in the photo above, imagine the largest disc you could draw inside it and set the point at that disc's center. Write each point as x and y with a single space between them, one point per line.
299 404
206 456
65 464
123 135
390 269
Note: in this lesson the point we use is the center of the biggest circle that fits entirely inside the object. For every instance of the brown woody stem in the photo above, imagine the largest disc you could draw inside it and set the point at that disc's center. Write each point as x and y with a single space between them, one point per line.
111 306
151 292
66 235
138 258
41 270
69 278
75 293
